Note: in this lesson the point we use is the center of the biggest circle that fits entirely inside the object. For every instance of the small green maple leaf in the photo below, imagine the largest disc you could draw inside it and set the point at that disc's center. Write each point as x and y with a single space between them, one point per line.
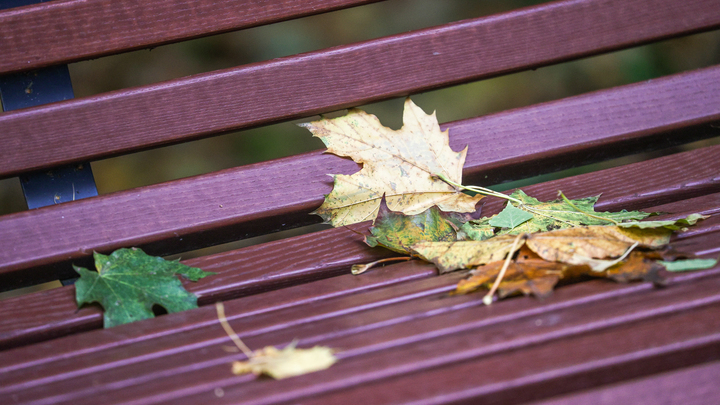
398 232
129 282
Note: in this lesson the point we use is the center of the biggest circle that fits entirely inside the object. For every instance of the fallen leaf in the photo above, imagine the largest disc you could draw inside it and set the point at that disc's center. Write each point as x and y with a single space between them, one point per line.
548 216
689 264
533 276
638 266
401 165
589 245
398 232
129 282
477 230
288 362
670 224
510 218
450 256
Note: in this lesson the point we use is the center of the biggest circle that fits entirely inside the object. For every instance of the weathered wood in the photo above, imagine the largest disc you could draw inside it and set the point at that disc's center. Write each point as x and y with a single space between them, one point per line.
67 31
328 80
237 203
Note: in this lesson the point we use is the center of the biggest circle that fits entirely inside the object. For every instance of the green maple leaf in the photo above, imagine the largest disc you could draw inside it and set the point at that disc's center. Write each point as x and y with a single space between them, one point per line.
398 232
129 282
546 216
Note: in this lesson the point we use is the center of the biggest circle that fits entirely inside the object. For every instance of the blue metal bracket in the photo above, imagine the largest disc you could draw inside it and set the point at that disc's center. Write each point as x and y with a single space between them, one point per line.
33 88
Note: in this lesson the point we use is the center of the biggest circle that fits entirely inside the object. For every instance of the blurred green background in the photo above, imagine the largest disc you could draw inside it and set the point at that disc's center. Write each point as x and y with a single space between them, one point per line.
337 28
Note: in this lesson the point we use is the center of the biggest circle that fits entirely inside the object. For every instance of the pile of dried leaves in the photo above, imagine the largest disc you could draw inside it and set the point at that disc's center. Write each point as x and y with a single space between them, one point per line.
411 186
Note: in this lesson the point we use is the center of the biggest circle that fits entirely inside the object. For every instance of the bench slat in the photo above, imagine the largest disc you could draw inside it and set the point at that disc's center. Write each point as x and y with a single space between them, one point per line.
238 203
691 385
68 31
374 349
598 349
317 82
323 254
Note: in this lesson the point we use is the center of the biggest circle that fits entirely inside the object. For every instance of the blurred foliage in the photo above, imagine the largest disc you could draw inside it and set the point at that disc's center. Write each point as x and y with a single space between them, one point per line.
342 27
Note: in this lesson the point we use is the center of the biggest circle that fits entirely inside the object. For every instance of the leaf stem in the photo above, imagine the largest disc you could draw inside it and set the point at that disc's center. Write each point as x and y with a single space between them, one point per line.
230 332
568 202
478 189
362 268
488 298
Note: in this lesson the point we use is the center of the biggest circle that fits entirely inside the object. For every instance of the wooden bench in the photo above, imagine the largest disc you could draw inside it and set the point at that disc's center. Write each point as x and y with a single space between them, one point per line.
401 339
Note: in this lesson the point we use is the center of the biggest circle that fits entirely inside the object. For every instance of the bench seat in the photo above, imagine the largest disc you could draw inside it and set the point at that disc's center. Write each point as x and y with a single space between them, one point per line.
400 337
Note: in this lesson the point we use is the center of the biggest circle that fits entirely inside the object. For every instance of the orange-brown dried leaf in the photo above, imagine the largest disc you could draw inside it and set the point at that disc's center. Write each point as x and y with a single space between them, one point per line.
638 266
531 276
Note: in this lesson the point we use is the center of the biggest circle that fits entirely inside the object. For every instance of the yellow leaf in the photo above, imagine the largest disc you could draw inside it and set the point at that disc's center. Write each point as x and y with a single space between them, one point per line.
590 245
449 256
288 362
398 164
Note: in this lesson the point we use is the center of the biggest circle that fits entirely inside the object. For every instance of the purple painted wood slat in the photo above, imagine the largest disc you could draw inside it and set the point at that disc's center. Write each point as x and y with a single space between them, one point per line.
235 203
328 80
67 31
295 260
691 385
534 371
373 349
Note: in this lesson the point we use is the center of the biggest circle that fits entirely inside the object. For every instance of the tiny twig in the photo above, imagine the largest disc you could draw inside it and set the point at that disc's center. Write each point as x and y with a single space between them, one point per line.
362 268
488 298
230 332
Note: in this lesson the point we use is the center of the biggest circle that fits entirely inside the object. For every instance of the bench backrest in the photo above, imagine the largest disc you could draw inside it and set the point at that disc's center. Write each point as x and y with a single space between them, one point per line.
177 216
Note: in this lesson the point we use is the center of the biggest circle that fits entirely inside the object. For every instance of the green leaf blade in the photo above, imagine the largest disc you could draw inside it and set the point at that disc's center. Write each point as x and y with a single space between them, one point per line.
130 282
689 264
669 224
398 232
510 217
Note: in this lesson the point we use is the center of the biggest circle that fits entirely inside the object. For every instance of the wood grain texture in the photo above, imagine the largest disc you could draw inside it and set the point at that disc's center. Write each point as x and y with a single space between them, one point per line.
235 203
690 385
269 266
67 31
383 338
328 80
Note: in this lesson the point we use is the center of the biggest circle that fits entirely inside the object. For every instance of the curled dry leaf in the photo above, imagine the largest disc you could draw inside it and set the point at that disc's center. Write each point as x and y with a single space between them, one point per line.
288 362
402 165
576 246
273 362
